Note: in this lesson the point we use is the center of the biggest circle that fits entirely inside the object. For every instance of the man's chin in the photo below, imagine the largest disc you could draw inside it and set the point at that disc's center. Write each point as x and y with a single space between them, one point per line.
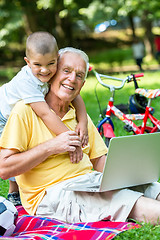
66 97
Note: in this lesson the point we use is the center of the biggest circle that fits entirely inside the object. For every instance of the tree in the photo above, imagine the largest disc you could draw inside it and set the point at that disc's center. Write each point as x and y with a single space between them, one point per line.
148 11
25 16
18 18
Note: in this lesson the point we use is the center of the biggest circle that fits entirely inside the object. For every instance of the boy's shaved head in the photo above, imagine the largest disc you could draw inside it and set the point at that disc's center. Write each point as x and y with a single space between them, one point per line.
40 42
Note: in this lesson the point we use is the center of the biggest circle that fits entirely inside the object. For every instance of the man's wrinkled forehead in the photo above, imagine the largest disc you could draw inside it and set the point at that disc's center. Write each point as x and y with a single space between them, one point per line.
70 59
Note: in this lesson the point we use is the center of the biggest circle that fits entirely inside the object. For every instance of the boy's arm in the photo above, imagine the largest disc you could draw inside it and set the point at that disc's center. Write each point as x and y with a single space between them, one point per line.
82 126
50 119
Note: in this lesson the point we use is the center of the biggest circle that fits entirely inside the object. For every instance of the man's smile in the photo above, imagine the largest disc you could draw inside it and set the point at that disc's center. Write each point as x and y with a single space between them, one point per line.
68 87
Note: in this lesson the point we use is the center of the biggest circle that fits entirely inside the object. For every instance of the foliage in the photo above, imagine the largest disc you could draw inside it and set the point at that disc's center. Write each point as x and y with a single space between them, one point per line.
19 18
6 74
11 23
99 11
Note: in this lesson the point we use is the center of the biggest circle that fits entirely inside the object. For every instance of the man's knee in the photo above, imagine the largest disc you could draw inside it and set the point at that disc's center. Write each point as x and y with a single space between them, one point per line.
146 210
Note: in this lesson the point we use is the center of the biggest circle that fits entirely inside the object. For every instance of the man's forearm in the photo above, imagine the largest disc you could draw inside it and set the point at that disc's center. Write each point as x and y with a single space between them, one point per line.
98 163
13 163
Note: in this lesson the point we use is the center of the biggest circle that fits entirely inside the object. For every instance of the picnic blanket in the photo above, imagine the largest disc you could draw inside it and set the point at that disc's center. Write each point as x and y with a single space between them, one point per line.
40 228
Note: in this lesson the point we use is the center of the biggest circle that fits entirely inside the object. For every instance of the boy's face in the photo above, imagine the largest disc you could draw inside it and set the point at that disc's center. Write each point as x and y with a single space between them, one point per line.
43 67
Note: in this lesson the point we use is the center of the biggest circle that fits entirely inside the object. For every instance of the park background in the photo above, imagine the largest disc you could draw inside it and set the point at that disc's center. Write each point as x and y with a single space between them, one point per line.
78 23
74 23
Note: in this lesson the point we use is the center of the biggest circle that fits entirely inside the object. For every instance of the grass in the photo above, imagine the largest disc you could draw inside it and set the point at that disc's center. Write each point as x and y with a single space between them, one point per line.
101 62
145 232
4 187
110 60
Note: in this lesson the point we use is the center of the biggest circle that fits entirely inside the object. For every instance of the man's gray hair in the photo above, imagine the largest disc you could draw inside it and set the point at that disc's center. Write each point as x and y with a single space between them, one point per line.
78 51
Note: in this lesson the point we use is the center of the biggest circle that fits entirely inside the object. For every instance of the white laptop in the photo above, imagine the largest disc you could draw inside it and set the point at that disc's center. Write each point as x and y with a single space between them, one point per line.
131 160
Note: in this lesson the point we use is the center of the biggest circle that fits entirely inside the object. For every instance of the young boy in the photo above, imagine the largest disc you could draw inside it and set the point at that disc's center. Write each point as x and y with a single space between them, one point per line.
31 86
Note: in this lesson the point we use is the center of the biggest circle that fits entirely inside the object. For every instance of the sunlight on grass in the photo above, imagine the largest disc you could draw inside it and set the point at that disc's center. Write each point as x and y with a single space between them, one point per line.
118 57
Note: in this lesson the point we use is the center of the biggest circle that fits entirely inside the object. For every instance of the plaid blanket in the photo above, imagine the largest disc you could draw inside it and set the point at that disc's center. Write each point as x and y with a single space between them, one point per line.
40 228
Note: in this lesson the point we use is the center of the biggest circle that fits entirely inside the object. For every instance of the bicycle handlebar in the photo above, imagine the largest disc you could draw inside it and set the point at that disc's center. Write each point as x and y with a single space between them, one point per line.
139 75
112 87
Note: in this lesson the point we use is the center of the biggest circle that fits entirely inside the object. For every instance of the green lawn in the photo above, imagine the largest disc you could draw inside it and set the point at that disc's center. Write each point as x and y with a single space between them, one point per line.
4 188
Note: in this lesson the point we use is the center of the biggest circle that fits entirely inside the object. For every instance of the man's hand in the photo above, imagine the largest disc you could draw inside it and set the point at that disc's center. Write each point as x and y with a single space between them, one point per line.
67 142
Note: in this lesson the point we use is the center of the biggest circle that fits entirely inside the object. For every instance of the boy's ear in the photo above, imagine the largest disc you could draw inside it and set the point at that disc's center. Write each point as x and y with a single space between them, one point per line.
27 61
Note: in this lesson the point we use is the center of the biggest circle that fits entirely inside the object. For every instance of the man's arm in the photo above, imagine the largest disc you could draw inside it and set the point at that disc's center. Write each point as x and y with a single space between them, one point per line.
13 162
98 163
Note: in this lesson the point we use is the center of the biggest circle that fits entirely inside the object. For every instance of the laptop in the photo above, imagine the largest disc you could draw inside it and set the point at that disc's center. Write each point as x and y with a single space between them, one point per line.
131 160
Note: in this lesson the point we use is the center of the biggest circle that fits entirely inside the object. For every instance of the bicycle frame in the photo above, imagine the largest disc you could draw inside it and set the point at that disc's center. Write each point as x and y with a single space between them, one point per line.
106 124
128 120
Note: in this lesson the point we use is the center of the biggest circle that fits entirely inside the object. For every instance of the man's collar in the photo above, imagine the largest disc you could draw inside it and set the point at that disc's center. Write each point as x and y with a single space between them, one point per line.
70 114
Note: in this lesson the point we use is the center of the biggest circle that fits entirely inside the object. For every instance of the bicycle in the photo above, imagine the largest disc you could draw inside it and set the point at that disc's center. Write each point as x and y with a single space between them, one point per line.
106 126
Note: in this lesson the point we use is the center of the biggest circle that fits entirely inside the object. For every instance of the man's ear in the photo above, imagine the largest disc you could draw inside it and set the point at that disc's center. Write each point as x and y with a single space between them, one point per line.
27 61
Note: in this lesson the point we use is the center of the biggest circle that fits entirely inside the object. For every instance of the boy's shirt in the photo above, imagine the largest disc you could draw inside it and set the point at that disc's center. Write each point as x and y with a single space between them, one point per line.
24 86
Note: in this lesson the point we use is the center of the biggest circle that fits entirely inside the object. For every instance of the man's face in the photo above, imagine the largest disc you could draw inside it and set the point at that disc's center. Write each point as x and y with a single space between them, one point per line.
43 66
69 78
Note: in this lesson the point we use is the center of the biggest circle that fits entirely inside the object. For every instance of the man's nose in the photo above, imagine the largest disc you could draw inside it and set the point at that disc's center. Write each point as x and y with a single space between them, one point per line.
72 76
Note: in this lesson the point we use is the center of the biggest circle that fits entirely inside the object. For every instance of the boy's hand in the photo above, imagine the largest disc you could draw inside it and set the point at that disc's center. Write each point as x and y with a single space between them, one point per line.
76 156
82 131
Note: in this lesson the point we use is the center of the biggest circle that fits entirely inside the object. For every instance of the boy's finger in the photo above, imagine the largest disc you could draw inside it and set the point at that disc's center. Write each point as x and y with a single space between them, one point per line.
74 157
71 156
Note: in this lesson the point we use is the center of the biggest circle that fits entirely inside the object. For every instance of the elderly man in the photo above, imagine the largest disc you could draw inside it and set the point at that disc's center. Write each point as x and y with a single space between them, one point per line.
39 159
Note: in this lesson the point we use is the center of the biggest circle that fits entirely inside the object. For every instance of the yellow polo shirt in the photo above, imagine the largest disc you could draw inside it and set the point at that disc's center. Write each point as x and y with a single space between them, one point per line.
24 130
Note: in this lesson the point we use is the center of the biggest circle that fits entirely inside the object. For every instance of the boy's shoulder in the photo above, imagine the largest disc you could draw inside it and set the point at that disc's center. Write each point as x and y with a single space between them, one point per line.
21 76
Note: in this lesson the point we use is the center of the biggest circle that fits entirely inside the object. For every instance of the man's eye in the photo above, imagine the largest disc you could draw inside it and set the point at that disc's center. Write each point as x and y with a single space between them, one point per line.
37 64
79 76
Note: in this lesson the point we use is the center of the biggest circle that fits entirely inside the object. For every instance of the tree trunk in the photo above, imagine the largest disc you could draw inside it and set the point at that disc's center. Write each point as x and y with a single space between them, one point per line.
30 16
149 37
130 16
